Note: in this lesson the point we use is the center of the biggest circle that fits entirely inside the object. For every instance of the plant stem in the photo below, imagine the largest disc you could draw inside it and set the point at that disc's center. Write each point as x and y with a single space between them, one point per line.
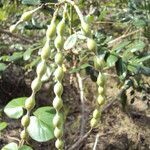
76 8
71 19
96 141
81 89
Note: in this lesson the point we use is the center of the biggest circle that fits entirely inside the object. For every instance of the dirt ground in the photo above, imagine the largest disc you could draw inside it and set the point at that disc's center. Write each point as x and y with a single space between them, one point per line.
118 130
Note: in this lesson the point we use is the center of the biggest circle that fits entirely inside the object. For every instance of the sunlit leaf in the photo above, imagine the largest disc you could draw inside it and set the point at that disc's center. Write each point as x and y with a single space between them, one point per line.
25 147
14 109
10 146
27 54
70 42
41 127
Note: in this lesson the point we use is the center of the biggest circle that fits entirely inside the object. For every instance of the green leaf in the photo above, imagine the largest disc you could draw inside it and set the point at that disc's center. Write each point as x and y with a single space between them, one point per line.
143 59
18 47
121 46
2 66
33 63
4 58
40 131
25 147
70 42
89 18
10 146
132 68
121 69
41 127
14 109
136 46
3 15
145 70
16 56
111 60
3 125
45 114
139 22
103 14
27 54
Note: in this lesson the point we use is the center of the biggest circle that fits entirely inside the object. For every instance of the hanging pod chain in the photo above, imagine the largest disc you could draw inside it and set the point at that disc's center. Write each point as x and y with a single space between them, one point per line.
92 46
58 87
37 83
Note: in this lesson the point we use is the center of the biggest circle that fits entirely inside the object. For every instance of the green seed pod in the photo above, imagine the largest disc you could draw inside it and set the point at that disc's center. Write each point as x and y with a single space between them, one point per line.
45 54
59 74
30 103
96 114
61 27
41 68
58 132
85 28
25 121
36 84
99 62
12 28
58 89
100 79
26 15
59 58
91 44
93 122
100 100
59 144
51 31
101 90
59 42
57 103
24 135
57 120
96 65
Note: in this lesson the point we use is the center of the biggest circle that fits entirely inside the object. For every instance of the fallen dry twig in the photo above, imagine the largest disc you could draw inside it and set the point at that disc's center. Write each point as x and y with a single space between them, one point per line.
2 31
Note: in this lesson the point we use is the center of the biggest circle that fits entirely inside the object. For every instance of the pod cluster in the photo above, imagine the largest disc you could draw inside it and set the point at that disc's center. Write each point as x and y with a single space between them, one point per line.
59 72
36 83
58 87
98 63
100 99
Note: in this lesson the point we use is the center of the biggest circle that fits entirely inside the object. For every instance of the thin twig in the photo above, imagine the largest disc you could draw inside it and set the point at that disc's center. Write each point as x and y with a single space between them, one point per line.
96 141
71 19
12 138
16 36
111 75
111 43
81 89
109 105
104 22
80 140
